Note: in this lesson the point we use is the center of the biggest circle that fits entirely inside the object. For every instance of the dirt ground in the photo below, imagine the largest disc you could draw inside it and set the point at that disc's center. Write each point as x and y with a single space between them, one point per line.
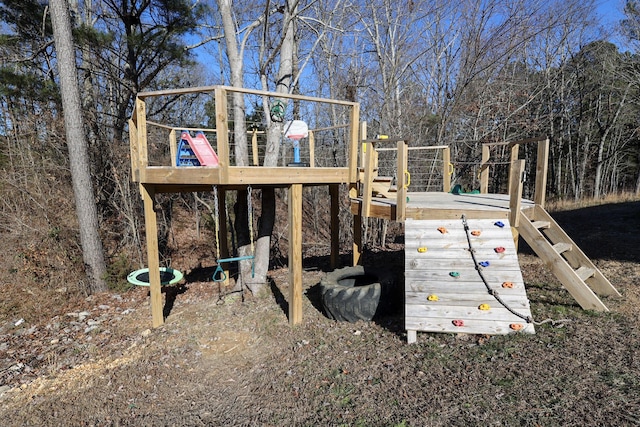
220 360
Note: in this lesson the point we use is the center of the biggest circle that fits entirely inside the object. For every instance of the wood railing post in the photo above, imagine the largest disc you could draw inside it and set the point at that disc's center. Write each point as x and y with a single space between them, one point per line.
222 134
403 177
447 169
312 149
515 198
542 166
173 147
484 170
513 158
254 147
369 162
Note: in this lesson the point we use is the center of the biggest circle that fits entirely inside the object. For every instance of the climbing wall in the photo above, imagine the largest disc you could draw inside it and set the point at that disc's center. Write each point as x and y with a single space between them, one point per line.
444 289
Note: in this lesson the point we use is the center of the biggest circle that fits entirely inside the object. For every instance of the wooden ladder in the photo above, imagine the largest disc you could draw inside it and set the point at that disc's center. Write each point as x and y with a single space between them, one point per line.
564 258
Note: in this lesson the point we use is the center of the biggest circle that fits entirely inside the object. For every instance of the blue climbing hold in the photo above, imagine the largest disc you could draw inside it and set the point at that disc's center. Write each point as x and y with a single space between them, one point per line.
484 263
499 224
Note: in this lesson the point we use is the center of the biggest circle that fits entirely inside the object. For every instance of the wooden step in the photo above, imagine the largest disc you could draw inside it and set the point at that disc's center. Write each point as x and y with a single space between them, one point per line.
562 247
382 179
541 224
585 272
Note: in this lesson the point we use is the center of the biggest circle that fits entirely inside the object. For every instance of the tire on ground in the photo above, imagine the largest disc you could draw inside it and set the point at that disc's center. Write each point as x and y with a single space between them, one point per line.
351 294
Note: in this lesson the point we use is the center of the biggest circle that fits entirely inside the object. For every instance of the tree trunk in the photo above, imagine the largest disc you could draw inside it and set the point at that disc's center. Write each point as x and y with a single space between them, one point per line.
78 152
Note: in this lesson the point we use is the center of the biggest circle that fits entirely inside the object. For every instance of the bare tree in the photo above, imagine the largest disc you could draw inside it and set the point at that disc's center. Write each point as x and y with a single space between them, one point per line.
78 153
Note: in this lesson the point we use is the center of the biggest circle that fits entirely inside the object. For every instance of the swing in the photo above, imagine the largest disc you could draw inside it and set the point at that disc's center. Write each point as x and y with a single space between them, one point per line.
219 275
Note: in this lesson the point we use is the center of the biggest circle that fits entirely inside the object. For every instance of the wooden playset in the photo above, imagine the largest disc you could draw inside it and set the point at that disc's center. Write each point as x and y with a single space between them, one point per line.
461 266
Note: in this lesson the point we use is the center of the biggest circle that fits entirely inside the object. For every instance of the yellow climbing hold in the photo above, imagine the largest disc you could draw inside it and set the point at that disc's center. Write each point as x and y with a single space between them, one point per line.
432 297
422 249
484 307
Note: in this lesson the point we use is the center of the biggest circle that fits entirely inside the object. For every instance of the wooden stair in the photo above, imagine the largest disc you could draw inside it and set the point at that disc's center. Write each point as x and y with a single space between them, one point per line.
564 258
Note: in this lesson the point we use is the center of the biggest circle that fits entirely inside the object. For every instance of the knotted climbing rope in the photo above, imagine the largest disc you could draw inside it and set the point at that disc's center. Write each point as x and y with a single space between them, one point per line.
493 292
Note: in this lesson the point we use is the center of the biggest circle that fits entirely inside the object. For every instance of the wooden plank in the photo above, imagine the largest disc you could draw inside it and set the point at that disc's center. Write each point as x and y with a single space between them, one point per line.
368 179
354 141
447 169
496 312
334 193
133 150
562 247
295 254
222 232
515 192
515 301
222 134
286 175
585 272
484 170
153 258
403 181
542 163
460 264
357 240
490 327
477 288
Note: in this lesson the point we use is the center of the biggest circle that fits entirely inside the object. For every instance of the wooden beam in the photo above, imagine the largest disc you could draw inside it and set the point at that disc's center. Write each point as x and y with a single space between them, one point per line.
484 170
354 141
133 151
153 258
334 193
222 231
295 254
141 142
312 149
222 136
542 166
447 169
173 147
254 147
403 177
357 238
513 158
369 161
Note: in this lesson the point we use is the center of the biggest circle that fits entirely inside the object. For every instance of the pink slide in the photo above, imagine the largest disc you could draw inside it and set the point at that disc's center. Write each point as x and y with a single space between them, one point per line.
201 148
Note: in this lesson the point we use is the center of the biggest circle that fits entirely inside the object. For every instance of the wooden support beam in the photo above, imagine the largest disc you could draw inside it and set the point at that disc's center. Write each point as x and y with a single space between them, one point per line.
254 147
312 149
513 158
484 170
542 166
334 192
403 177
153 259
515 198
354 140
357 239
295 254
447 169
222 232
173 147
369 162
222 134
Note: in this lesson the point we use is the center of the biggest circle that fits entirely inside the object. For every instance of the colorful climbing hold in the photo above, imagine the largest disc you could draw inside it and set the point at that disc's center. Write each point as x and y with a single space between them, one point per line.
432 297
484 263
484 307
499 224
499 250
442 230
516 326
507 285
454 274
422 249
458 322
476 233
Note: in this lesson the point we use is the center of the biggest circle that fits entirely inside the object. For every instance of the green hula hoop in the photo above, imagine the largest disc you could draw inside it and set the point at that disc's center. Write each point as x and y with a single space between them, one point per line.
168 276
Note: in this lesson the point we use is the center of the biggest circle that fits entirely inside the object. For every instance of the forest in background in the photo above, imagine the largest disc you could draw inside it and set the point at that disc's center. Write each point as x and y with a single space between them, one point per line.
444 74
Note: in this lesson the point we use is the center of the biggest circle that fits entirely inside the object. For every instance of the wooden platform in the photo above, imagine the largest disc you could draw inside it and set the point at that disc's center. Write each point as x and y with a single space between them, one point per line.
443 290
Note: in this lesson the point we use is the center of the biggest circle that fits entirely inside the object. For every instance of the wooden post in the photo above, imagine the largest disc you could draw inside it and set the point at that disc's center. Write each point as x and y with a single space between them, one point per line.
447 169
222 133
295 254
133 151
369 163
312 150
153 259
353 143
334 192
357 239
484 170
403 176
173 147
254 147
513 158
515 198
542 165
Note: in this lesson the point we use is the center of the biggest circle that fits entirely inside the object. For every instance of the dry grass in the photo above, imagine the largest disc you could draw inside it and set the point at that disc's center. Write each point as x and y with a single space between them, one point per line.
221 361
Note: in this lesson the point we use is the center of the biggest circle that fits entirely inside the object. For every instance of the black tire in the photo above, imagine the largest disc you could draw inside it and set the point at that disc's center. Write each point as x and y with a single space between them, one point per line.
351 294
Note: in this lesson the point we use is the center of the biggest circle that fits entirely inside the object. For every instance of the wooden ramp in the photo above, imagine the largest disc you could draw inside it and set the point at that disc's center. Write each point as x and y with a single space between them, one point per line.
444 292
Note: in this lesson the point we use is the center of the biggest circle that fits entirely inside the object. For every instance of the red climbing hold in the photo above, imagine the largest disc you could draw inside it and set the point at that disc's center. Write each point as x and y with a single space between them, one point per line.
458 322
499 250
516 326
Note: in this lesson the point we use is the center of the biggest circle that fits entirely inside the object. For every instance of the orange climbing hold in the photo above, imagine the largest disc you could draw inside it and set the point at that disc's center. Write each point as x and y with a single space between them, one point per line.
442 230
484 307
476 233
458 322
516 326
507 285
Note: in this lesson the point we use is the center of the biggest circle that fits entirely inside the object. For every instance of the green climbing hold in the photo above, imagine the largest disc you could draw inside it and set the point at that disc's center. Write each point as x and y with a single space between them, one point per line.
454 274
